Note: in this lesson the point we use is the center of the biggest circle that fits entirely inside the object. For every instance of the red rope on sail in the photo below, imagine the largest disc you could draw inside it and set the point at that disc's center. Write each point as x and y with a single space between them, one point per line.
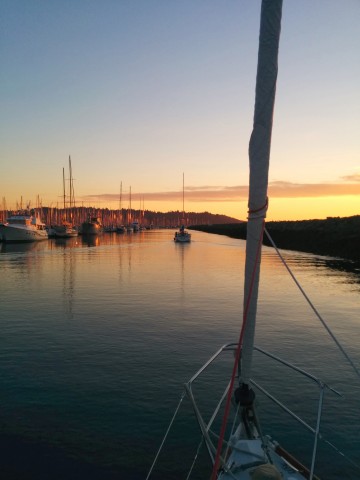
264 207
236 362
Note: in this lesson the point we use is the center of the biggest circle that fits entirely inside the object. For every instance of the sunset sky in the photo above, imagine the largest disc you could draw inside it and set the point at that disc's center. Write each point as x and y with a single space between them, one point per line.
140 91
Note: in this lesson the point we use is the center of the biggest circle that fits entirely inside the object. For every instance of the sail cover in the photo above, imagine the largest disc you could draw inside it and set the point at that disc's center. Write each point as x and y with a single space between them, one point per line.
259 155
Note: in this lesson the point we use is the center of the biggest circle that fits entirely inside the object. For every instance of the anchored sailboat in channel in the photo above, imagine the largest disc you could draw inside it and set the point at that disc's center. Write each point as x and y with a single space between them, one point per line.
182 235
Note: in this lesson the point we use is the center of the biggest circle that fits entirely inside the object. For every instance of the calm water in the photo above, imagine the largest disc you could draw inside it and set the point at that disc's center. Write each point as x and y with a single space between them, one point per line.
97 338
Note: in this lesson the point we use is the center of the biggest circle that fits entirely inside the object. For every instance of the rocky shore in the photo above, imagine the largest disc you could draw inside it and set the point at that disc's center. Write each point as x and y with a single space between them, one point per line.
335 236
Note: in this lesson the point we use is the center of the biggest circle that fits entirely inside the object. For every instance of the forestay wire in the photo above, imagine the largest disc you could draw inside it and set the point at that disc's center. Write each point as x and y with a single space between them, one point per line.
312 306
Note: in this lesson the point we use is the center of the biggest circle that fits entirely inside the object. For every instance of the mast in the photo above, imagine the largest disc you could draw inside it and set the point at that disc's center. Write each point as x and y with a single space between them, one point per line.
183 220
259 154
4 209
72 193
143 210
70 185
183 196
130 214
64 195
120 198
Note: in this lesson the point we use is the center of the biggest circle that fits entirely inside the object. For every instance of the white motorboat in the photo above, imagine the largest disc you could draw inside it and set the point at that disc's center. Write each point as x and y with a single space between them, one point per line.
23 227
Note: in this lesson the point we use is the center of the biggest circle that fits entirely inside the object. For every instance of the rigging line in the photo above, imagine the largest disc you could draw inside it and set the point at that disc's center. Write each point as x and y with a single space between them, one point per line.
232 431
195 458
165 436
237 358
327 328
323 438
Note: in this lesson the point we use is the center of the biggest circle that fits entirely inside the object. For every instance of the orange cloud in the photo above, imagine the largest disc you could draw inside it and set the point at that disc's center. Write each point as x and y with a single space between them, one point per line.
277 189
352 178
297 190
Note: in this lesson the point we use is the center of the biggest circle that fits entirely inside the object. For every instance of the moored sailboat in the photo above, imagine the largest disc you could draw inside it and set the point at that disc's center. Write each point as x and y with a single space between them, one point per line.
66 228
135 226
92 226
120 227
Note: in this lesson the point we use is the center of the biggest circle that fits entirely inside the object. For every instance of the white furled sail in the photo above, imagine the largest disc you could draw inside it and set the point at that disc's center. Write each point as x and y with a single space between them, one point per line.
259 154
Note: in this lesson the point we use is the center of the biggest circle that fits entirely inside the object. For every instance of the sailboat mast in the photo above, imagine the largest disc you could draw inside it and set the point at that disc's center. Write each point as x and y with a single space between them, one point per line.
64 194
72 191
259 155
183 196
70 186
121 202
130 215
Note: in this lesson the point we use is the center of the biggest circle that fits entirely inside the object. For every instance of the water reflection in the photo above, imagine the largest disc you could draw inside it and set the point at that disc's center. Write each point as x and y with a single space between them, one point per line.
90 240
18 247
68 282
347 270
351 269
135 311
110 238
181 249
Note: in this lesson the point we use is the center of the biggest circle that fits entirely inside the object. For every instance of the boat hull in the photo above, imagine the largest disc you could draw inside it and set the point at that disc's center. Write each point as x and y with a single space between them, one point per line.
91 229
10 233
67 234
182 237
135 226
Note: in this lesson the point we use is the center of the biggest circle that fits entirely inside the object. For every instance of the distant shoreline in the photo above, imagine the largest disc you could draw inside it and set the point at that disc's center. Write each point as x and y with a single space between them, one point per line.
335 236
